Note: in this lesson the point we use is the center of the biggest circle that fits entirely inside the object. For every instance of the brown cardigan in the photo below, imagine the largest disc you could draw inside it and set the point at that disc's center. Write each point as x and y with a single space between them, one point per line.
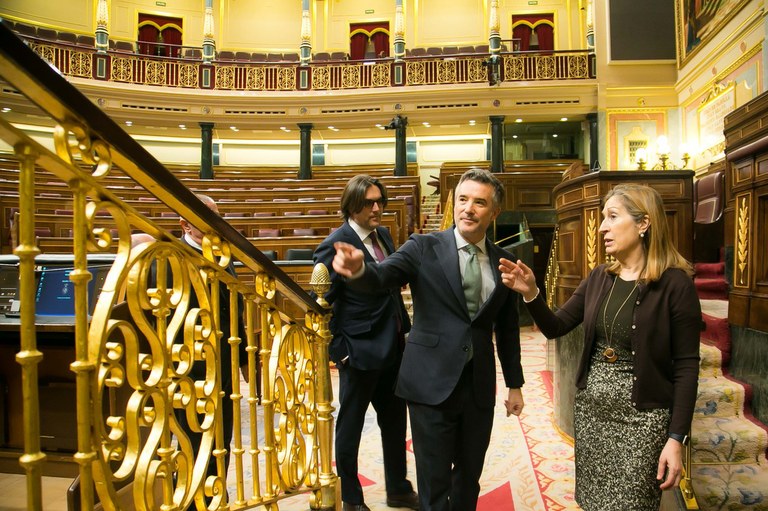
665 338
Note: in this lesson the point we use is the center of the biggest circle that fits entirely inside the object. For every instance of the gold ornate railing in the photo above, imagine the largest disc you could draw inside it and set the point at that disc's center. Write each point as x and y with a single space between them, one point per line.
133 371
123 67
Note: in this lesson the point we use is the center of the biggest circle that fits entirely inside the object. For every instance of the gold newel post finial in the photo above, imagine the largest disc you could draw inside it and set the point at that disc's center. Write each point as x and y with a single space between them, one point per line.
320 282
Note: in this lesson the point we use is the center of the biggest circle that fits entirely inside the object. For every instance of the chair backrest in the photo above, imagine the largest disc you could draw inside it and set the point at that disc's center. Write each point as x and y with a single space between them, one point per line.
86 40
67 37
262 214
418 52
339 55
268 233
193 53
243 56
124 46
299 254
258 56
709 198
271 254
48 34
304 231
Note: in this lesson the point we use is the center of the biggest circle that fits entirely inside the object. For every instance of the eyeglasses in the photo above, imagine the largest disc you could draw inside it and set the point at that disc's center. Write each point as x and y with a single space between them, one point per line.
368 203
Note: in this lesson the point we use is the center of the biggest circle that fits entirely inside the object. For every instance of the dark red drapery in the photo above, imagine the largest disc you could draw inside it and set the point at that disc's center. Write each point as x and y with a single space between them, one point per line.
154 29
360 34
542 25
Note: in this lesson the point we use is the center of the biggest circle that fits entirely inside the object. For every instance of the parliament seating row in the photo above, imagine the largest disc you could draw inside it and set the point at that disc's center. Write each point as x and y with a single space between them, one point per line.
280 246
249 212
231 204
60 224
450 50
54 230
275 172
527 182
244 56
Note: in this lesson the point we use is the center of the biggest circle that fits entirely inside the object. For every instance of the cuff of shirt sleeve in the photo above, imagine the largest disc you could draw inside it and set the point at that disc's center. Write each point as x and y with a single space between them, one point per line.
532 299
358 273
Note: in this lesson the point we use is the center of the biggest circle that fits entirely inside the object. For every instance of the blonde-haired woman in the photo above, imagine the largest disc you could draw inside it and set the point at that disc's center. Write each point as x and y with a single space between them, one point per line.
638 373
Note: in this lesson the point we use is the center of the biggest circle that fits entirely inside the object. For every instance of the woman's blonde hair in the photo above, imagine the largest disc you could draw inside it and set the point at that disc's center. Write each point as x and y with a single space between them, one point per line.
660 253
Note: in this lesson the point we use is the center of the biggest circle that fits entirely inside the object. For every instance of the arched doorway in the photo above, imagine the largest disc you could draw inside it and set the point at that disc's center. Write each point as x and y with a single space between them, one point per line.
160 35
368 40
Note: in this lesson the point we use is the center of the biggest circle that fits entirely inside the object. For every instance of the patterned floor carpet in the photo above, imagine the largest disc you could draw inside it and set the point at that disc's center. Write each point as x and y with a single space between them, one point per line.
529 465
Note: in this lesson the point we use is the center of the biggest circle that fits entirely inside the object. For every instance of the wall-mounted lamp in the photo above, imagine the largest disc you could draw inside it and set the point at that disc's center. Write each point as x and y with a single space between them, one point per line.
662 152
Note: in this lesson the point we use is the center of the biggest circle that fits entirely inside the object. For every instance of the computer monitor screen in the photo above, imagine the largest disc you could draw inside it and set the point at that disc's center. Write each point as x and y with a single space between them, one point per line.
9 285
56 293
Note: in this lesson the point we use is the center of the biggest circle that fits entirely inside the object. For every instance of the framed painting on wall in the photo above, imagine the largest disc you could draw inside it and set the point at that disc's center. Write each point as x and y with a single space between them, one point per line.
698 21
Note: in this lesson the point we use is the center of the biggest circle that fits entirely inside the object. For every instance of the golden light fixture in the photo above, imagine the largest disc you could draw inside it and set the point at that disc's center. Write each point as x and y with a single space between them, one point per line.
663 153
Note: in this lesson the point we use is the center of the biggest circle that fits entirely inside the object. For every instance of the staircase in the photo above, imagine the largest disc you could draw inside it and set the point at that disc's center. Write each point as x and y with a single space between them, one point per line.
431 213
729 467
431 218
710 281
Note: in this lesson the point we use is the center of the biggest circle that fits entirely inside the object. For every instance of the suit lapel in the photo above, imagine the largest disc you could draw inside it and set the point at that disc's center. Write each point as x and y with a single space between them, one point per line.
386 238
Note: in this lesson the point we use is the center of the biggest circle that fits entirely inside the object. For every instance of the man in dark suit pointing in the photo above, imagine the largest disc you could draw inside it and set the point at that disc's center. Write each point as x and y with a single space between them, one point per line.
367 344
448 374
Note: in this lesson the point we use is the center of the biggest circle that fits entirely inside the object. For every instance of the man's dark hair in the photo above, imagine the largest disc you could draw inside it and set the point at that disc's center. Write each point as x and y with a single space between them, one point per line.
353 198
486 177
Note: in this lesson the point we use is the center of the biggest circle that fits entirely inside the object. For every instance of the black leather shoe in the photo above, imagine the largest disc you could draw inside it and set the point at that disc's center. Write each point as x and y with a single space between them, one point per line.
354 507
409 500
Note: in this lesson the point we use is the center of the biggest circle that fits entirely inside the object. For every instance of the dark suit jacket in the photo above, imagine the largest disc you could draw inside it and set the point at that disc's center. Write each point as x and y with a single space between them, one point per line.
364 322
435 354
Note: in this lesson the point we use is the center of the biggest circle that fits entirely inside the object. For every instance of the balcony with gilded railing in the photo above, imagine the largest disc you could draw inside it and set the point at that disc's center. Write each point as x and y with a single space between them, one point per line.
133 371
122 67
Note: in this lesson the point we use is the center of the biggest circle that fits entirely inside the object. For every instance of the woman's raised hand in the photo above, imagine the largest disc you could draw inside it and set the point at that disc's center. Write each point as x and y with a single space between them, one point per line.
518 277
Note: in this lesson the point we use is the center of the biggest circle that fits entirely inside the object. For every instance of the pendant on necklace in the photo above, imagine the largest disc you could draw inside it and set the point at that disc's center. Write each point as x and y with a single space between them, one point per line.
609 354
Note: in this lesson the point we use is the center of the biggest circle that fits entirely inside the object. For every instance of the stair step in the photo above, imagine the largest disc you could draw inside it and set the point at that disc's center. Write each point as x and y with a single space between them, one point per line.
724 440
730 487
710 269
716 288
719 396
711 364
717 332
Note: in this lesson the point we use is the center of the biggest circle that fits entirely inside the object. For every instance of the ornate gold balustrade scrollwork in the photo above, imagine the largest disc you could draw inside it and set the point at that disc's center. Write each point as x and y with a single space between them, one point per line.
150 352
